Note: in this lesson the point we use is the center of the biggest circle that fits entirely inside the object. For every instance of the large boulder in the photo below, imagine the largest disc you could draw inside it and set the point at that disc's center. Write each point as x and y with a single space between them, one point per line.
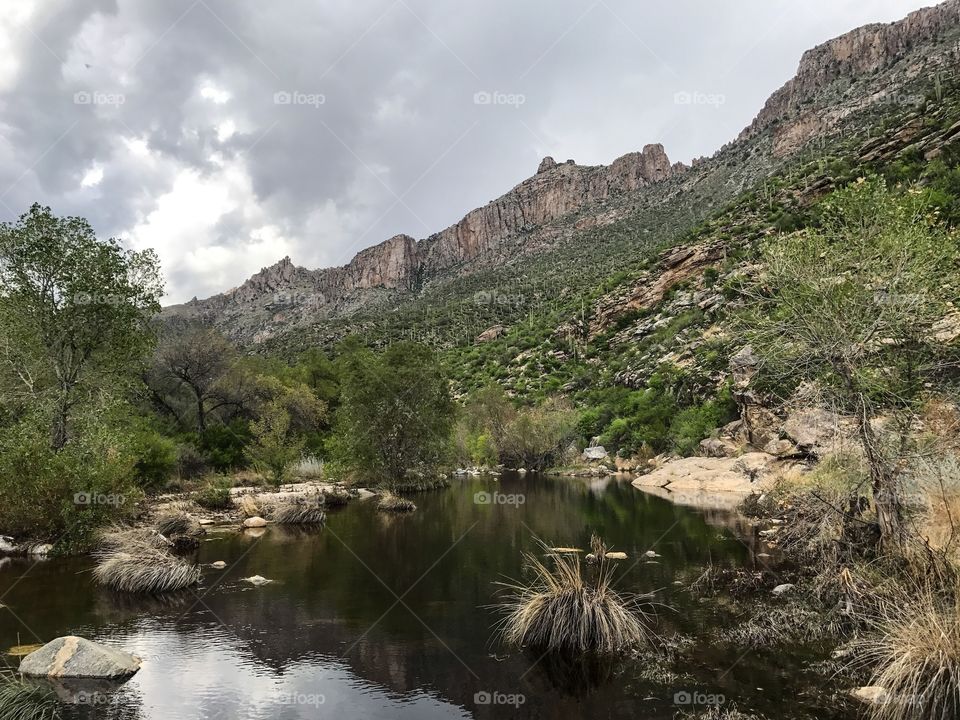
76 657
596 452
813 430
701 474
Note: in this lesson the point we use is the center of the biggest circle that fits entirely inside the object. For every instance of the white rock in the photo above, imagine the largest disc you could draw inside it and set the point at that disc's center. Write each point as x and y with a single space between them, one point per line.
76 657
218 565
254 522
871 695
616 556
257 580
783 589
41 550
651 554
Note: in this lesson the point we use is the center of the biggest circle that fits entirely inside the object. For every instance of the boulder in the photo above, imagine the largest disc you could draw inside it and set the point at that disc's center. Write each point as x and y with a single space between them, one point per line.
783 589
76 657
257 580
718 447
702 474
7 545
254 522
814 431
597 452
218 565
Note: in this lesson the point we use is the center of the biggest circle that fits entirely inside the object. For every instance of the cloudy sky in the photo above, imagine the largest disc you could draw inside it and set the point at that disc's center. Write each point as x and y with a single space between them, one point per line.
227 134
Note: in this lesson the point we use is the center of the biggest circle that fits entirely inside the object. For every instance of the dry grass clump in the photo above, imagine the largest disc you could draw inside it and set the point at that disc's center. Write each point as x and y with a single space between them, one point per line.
337 497
134 561
178 523
562 611
394 503
914 650
298 512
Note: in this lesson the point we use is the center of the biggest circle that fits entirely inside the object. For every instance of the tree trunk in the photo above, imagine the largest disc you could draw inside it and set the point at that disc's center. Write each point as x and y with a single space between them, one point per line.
883 479
58 433
201 415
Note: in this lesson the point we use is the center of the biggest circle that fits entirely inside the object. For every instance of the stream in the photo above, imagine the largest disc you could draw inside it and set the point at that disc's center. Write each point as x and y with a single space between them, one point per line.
390 616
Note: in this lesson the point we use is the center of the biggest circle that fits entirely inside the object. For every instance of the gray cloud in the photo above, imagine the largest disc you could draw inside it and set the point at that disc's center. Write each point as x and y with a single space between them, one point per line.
165 123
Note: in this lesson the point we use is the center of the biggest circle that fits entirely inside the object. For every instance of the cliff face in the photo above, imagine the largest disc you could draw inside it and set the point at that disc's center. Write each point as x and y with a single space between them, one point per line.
837 87
554 192
854 55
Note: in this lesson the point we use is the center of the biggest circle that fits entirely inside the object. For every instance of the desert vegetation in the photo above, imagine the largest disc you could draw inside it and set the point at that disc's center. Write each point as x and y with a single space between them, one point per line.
562 609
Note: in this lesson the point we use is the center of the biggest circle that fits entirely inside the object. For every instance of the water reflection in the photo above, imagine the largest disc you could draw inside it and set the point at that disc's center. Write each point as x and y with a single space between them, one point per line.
380 616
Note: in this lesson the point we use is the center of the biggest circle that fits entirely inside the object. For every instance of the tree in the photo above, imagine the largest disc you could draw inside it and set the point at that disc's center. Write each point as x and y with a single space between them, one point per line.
395 411
75 311
851 307
196 361
283 425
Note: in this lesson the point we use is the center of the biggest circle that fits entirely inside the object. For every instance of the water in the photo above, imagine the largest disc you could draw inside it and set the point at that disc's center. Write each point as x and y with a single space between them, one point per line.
381 616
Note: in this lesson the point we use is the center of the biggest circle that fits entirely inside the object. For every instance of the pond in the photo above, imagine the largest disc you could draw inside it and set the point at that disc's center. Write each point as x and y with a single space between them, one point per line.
389 616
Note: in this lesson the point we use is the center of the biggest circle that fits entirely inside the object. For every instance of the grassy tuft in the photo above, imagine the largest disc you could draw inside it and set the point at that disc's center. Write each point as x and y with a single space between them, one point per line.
394 503
302 512
132 562
337 497
21 700
178 523
560 610
914 650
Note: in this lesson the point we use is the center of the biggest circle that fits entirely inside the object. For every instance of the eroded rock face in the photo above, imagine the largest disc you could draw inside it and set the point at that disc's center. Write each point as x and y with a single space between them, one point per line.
855 54
76 657
701 474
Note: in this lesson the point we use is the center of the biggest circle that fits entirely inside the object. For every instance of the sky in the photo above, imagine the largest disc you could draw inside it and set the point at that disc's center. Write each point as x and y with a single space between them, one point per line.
228 134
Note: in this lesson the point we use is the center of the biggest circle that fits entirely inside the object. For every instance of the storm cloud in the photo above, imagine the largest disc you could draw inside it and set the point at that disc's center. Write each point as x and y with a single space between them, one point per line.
227 134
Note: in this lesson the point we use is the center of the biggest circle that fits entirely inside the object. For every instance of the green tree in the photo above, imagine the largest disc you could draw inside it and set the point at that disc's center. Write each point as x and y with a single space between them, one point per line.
284 423
75 311
851 306
395 412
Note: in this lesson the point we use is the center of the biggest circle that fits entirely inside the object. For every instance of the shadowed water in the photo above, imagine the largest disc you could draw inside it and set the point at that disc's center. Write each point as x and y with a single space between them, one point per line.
382 616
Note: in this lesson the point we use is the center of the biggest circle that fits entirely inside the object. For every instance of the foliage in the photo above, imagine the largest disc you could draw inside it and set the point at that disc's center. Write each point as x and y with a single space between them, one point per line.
858 322
74 312
395 411
215 496
24 700
280 432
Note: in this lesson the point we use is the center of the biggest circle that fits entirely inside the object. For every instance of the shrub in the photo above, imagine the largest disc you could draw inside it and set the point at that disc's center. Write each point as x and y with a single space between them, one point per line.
66 494
561 611
536 438
215 496
156 458
223 446
178 523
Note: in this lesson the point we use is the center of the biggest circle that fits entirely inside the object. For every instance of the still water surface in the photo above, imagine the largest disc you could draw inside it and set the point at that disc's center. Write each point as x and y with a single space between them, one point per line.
379 616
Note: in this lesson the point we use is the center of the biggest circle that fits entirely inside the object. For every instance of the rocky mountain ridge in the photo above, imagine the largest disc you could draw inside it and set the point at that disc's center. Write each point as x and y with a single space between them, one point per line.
835 81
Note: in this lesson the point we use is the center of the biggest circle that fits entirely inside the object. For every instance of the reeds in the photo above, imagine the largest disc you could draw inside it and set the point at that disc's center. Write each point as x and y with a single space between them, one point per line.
560 610
178 523
21 700
337 497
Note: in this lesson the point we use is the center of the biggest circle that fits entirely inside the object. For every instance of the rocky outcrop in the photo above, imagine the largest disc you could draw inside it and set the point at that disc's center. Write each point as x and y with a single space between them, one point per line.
76 657
796 108
744 474
286 295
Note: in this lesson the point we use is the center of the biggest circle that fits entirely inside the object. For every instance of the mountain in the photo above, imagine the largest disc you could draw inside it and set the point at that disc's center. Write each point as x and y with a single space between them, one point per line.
570 225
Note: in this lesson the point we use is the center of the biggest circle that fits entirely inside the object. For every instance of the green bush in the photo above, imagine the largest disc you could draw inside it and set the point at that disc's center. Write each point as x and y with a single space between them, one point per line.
215 496
63 497
223 446
156 458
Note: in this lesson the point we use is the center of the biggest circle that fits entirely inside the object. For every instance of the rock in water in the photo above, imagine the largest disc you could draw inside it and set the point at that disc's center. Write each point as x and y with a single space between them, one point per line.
218 565
254 522
871 695
257 580
76 657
